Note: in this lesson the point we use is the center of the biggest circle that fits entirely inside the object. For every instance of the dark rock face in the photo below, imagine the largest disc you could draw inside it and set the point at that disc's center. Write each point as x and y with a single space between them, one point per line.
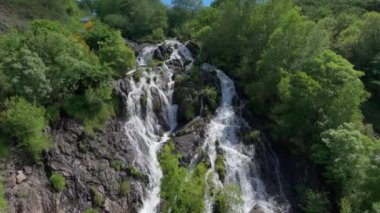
189 94
85 163
136 47
188 139
163 52
193 47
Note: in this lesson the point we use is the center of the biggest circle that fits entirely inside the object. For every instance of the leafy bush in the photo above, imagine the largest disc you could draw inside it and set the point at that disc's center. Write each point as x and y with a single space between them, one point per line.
46 63
93 109
136 173
118 56
58 181
228 198
252 137
138 19
25 122
210 97
27 74
180 192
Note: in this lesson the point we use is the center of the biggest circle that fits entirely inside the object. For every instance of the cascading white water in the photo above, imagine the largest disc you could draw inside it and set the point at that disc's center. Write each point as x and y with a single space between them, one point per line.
239 162
144 129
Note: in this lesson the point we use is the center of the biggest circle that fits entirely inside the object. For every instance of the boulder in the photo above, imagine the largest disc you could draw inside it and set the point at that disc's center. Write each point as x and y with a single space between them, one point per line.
20 177
163 52
112 207
257 209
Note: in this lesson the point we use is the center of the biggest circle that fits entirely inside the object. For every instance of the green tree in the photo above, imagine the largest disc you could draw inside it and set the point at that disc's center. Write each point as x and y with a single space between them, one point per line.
70 66
137 19
359 42
27 74
181 191
343 152
115 54
328 94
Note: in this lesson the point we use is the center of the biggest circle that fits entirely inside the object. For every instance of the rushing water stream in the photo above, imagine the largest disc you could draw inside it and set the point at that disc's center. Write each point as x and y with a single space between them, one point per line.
152 117
238 158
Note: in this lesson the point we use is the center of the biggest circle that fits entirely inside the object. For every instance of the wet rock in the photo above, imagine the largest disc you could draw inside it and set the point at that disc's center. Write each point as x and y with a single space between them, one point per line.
175 64
163 52
28 170
186 55
258 209
83 168
187 145
188 140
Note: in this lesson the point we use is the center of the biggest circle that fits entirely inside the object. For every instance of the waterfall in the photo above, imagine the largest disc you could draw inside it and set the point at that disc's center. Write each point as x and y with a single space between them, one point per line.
151 115
238 158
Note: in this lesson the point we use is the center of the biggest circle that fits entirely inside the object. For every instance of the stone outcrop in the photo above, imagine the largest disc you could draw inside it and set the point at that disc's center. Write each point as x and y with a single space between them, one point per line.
85 162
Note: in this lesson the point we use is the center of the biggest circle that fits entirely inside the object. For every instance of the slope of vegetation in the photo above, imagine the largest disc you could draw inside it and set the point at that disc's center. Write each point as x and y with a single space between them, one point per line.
47 71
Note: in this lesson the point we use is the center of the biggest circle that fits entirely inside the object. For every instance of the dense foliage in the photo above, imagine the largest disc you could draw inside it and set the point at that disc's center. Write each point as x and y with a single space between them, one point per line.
138 19
181 191
24 122
46 65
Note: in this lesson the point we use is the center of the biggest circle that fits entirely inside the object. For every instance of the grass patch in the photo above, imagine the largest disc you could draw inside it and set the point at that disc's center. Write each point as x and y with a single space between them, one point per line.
58 182
220 167
125 188
97 198
3 201
116 165
91 211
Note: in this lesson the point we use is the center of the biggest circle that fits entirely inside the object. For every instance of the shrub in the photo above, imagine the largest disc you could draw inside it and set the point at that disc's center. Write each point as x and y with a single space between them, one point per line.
58 181
94 113
228 198
136 173
125 188
97 197
220 167
314 202
117 55
117 165
210 95
181 192
252 137
25 122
